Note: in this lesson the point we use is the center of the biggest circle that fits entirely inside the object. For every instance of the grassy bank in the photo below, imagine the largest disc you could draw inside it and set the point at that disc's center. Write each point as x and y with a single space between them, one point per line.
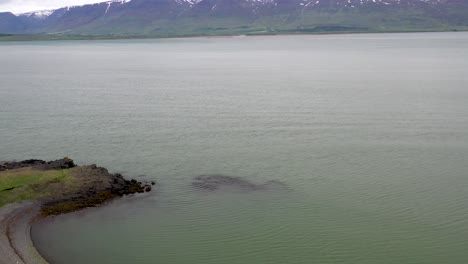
62 187
50 188
26 183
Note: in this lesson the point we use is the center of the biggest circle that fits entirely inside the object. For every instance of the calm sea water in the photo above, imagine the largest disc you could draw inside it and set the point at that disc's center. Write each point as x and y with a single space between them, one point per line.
370 132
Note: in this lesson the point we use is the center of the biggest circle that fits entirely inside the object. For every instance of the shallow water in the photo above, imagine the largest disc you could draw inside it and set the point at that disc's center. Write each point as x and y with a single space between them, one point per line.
369 132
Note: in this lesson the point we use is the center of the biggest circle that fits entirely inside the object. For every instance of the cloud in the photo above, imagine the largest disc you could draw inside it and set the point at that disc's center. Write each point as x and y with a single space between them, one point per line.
21 6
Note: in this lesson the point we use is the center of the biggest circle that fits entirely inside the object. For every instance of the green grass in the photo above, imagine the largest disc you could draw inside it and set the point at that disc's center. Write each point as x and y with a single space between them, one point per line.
24 184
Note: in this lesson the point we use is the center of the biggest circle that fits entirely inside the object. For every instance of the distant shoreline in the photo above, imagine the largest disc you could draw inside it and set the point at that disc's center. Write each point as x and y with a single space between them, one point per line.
50 37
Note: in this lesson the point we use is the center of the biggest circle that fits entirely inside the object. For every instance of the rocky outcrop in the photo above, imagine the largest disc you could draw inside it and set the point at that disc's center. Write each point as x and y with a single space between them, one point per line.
80 187
215 182
90 186
94 187
65 163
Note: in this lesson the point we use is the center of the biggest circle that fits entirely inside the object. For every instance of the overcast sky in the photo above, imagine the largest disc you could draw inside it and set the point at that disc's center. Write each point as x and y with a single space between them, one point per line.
21 6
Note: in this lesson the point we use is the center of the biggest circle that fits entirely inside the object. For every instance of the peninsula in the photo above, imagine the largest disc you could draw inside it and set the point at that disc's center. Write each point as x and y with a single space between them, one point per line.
33 189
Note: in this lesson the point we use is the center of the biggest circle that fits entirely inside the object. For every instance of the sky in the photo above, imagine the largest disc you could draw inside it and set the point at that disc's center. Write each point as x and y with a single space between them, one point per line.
21 6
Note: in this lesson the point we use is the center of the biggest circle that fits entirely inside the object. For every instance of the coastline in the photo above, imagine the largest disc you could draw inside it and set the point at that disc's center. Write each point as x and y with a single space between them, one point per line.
27 38
53 188
16 245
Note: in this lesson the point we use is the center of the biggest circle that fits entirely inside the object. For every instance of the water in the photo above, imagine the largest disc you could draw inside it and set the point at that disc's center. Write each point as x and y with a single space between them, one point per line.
370 132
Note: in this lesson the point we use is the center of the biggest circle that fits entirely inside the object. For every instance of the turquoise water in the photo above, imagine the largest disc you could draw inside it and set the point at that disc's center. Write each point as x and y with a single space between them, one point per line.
370 133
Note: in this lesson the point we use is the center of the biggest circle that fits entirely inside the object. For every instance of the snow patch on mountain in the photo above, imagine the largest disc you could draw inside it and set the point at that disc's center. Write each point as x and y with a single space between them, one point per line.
255 5
42 14
190 2
111 2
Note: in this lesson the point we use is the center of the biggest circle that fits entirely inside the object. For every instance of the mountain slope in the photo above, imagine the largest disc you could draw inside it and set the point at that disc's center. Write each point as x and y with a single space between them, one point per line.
211 17
10 23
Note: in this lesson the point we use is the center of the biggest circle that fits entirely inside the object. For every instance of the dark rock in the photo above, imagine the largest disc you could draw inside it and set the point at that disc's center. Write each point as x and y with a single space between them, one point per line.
65 163
121 187
20 164
93 185
97 187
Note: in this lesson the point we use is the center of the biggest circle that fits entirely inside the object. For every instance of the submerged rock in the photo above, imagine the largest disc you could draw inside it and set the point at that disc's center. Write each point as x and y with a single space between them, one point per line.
215 182
274 185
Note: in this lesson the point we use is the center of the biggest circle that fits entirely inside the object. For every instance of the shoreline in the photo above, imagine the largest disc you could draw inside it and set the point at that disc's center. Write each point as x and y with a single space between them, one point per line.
59 187
16 245
30 38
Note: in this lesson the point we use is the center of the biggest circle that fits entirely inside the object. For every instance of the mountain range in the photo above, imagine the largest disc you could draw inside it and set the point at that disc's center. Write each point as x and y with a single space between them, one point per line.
225 17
